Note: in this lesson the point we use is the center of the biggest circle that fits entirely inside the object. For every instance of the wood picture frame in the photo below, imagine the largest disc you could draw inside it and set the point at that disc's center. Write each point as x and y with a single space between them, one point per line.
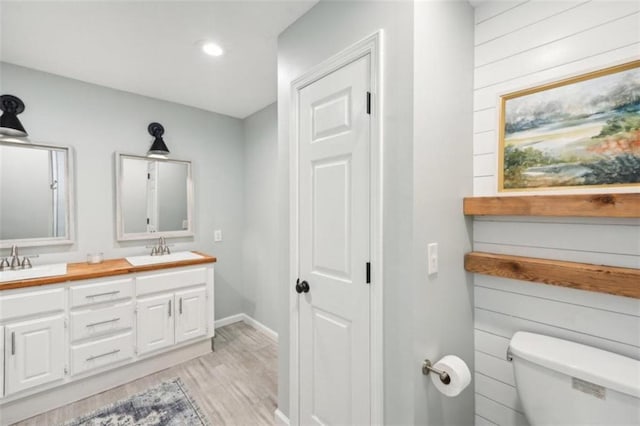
577 133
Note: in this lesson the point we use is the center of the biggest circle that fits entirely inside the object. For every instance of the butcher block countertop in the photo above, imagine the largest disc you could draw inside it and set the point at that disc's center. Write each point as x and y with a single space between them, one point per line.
108 268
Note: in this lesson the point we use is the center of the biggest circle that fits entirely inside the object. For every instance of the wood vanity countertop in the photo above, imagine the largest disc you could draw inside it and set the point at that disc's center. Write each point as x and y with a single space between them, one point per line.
110 267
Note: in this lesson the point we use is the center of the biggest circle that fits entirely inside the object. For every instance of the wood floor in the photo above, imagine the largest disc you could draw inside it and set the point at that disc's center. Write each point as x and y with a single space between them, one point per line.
235 385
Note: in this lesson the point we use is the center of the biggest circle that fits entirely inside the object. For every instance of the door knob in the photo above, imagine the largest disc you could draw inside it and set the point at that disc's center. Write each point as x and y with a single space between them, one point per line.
302 286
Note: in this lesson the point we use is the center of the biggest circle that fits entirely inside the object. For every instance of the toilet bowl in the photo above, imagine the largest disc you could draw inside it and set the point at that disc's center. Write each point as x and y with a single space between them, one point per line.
566 383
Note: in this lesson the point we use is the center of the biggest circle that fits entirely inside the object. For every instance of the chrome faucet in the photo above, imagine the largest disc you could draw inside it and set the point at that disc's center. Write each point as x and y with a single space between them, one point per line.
161 248
15 260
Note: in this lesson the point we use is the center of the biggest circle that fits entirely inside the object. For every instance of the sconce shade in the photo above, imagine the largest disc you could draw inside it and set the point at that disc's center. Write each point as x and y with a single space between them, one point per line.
158 147
11 106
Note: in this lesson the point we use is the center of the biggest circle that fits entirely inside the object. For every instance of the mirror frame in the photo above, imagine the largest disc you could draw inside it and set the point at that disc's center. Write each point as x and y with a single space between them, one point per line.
69 237
131 236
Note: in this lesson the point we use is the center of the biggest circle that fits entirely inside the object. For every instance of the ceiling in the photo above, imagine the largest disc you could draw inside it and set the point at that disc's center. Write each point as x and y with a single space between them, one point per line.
153 48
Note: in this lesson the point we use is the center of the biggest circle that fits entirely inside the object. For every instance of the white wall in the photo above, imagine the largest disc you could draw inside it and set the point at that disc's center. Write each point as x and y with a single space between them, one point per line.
517 45
326 29
442 173
96 122
259 247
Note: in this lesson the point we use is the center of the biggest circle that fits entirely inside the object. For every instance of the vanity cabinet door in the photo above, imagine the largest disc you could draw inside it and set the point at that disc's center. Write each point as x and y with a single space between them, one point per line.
191 316
1 361
34 353
155 323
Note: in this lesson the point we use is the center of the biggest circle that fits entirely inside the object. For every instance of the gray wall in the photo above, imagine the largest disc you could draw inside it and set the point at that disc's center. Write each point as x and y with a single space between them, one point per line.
96 122
428 51
516 47
442 173
259 249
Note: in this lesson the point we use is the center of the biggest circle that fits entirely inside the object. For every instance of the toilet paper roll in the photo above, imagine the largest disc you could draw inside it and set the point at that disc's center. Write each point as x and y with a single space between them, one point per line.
458 373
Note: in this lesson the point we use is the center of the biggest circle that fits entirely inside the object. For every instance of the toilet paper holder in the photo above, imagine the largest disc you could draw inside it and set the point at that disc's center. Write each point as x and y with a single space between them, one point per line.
427 367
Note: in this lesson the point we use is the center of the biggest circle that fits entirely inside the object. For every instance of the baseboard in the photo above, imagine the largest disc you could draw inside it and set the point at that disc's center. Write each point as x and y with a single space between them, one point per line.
247 320
260 326
228 320
280 418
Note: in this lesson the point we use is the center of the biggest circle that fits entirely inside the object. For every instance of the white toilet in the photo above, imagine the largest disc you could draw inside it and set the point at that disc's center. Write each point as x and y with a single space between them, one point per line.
566 383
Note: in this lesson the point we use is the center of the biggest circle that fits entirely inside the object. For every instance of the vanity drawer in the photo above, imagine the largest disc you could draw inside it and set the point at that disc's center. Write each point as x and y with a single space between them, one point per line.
99 321
31 303
168 281
99 292
107 351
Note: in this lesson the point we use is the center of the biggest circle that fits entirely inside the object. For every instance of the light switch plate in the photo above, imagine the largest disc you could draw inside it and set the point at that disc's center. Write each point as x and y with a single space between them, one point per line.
432 258
217 235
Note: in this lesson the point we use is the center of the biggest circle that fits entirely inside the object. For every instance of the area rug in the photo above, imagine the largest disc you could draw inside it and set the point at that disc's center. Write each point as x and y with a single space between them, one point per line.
168 404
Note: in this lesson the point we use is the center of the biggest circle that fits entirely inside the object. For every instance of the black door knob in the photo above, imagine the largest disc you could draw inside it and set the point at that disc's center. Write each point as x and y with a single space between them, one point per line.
302 286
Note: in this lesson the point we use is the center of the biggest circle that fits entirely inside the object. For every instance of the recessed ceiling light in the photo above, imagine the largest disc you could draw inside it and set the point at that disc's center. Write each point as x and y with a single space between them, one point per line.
212 49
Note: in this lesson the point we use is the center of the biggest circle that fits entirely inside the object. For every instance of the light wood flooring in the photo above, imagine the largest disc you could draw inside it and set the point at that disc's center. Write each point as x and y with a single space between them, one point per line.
235 385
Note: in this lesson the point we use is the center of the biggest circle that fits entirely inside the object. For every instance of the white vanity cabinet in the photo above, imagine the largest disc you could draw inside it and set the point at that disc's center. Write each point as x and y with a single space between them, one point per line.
66 341
191 317
176 315
101 323
155 323
34 353
34 345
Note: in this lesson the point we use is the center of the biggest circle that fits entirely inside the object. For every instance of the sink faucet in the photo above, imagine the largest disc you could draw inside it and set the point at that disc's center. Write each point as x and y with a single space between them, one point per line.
161 248
15 260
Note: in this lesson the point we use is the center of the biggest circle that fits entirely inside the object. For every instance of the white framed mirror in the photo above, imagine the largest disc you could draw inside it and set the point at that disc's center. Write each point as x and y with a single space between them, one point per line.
36 195
154 198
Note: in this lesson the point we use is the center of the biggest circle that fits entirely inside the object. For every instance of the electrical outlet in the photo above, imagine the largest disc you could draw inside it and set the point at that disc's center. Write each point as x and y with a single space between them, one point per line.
217 235
432 258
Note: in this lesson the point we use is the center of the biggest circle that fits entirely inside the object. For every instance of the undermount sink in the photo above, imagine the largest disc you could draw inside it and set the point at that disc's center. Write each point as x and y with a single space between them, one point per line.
165 258
39 271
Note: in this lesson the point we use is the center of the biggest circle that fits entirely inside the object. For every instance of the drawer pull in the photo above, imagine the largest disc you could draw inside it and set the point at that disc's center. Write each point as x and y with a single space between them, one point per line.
181 306
91 358
169 308
102 322
13 343
109 293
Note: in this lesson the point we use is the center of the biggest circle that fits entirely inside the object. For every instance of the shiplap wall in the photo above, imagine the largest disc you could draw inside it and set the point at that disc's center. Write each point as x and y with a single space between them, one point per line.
520 44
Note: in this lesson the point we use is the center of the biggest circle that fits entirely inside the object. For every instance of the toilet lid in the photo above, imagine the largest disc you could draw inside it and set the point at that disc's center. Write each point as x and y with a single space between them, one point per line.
594 365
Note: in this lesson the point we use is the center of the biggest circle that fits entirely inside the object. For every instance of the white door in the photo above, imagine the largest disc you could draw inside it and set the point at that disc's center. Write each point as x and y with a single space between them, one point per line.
34 353
334 216
155 323
191 316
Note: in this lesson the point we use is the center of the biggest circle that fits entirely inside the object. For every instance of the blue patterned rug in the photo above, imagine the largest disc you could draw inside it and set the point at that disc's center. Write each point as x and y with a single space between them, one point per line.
168 404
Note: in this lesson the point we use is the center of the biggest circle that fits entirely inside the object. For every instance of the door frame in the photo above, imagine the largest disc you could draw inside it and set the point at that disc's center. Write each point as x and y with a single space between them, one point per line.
371 45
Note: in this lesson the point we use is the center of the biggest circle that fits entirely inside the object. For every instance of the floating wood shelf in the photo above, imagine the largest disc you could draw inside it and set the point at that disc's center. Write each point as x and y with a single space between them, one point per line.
581 205
583 276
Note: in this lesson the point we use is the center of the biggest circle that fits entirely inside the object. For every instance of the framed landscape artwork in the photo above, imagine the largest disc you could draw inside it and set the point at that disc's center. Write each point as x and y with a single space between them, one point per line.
581 132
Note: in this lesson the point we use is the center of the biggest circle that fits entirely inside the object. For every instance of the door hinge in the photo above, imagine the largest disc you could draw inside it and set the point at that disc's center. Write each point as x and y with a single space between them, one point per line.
368 273
368 102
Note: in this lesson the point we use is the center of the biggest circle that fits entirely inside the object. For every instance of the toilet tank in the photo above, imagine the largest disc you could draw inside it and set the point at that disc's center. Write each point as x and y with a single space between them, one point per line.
566 383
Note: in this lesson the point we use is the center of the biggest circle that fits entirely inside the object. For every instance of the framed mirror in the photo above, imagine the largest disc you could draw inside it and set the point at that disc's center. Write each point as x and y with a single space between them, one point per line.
36 195
154 198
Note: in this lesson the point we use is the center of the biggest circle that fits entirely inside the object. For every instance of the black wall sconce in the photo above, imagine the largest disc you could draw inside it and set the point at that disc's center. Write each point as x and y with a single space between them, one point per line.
11 106
158 147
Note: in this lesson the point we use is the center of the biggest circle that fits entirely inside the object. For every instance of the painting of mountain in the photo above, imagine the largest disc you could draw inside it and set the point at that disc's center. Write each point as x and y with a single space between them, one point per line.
580 132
